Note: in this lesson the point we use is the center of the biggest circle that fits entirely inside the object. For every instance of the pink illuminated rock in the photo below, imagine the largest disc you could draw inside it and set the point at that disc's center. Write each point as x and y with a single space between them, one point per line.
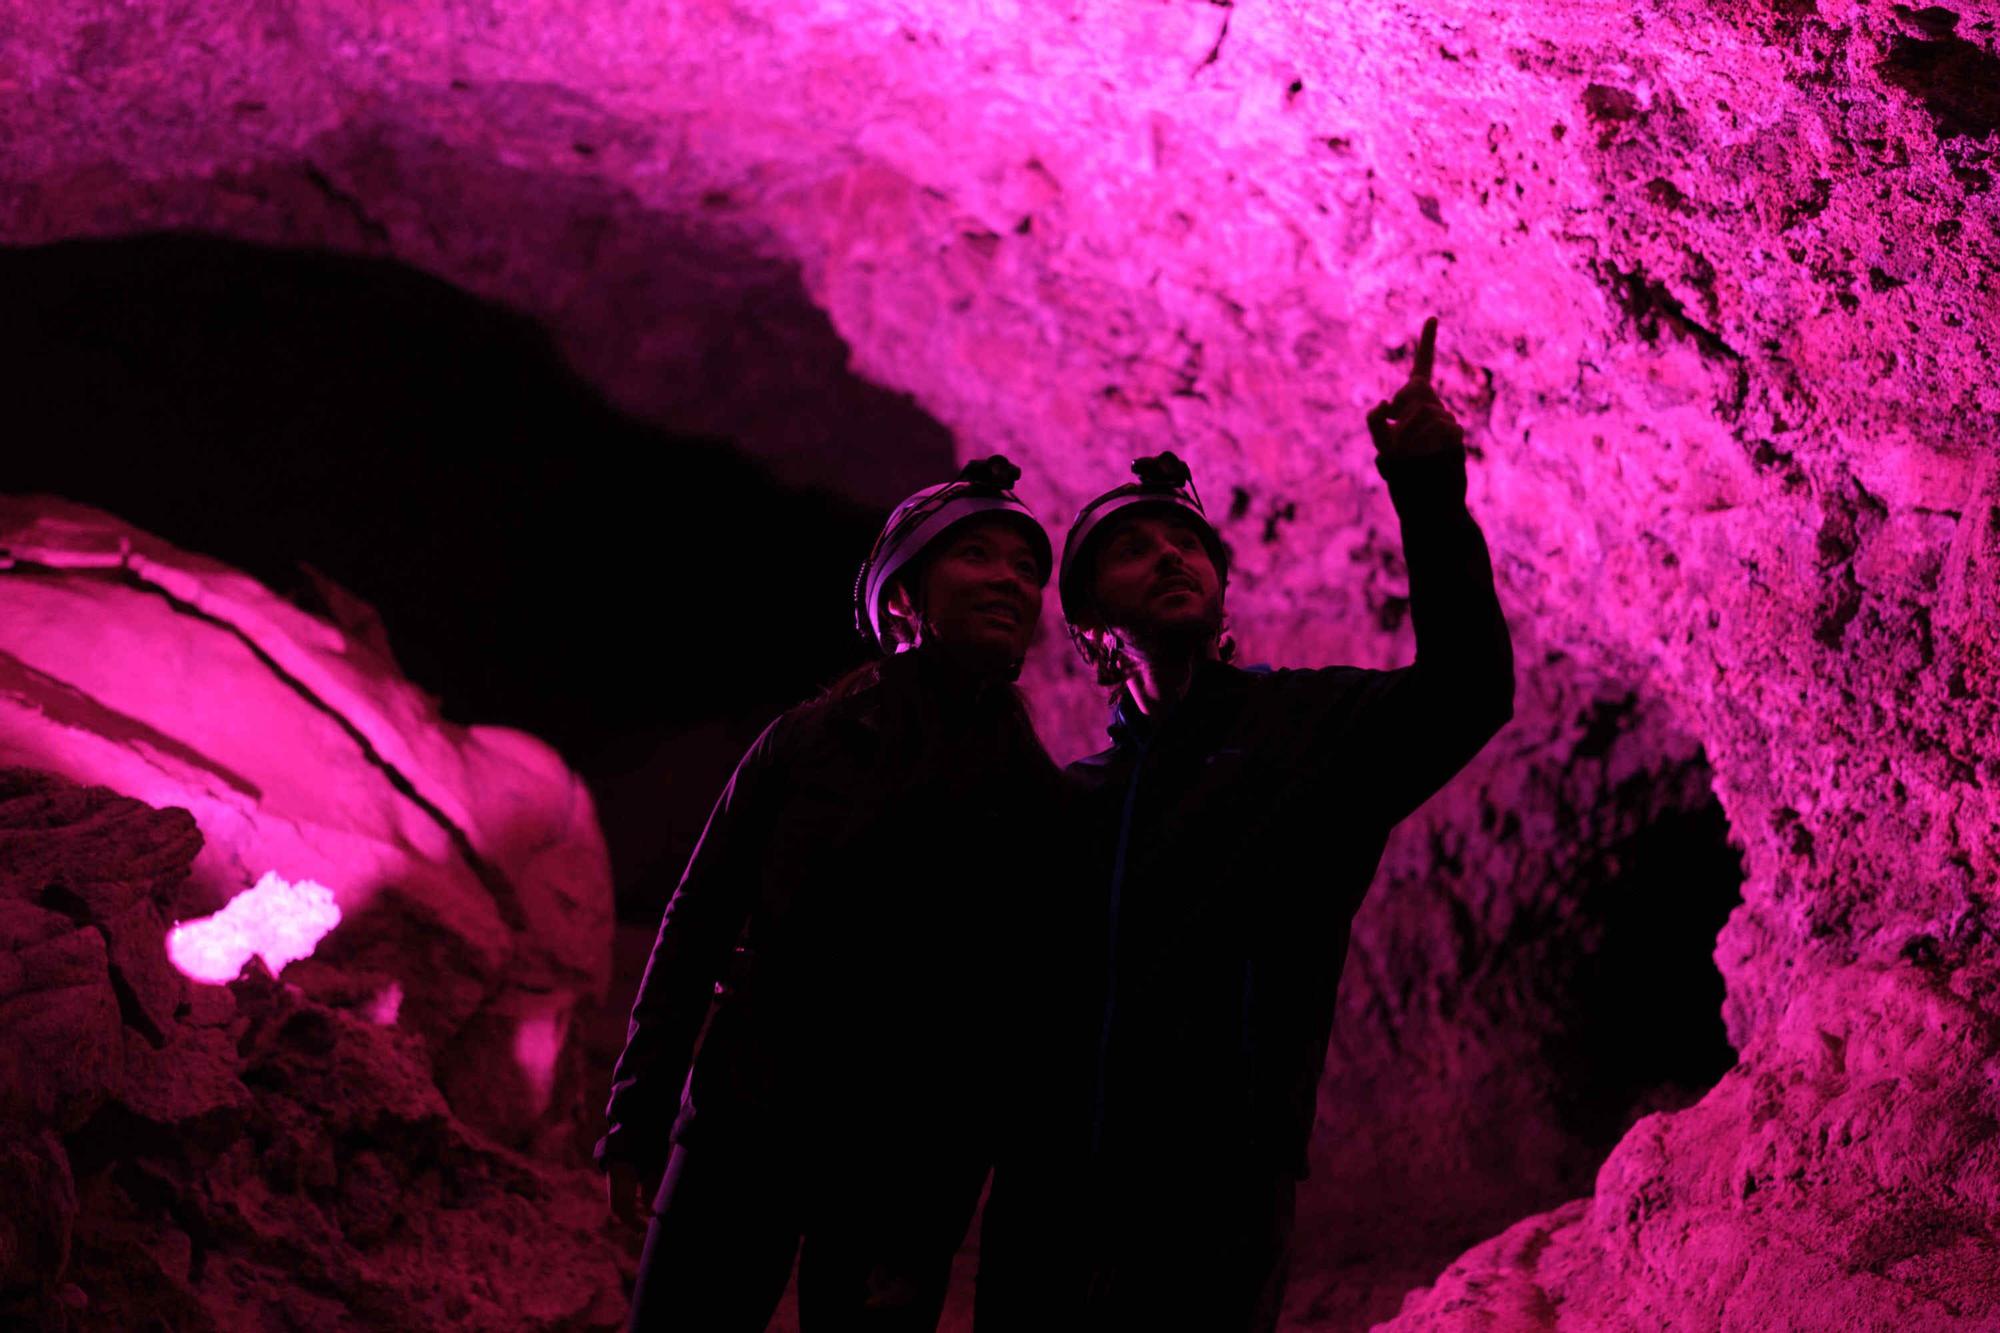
275 921
1719 306
386 1005
464 864
254 1159
1845 1184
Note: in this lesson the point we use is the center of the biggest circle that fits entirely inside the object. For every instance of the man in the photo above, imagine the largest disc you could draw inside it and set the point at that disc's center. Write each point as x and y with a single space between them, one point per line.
1237 819
850 927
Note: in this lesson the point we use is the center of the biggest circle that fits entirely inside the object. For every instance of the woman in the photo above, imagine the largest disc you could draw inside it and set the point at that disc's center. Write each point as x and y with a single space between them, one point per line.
854 908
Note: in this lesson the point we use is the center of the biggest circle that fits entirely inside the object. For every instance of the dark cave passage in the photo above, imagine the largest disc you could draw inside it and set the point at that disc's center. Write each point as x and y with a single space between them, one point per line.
642 599
1646 996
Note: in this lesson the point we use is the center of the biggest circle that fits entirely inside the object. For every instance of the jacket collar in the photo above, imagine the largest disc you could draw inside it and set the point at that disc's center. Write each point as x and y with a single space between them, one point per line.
919 675
1131 727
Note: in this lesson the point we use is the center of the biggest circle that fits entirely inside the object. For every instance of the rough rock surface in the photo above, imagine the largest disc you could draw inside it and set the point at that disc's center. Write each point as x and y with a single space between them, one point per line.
201 1157
467 862
1720 306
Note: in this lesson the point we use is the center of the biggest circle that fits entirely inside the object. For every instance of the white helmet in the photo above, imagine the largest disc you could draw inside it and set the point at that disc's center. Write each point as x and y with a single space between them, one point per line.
980 490
1164 482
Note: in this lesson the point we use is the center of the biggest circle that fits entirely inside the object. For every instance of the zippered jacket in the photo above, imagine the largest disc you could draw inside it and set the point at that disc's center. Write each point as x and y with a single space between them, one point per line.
1237 839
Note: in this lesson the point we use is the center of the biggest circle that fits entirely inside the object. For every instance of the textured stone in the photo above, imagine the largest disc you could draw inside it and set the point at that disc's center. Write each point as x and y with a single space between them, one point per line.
467 860
269 1162
61 1048
34 1240
191 1082
78 852
150 991
1719 296
1846 1184
22 924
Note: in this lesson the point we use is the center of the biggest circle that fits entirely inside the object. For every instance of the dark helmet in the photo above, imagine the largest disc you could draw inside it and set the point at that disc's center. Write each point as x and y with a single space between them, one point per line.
1164 482
982 489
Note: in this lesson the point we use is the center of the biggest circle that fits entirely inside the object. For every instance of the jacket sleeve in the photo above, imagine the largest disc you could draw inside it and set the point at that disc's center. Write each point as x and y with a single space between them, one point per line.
1427 721
697 934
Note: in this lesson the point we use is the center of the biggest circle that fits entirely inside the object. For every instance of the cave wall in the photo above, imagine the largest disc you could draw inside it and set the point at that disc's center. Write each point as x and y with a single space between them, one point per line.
465 863
259 1155
1718 290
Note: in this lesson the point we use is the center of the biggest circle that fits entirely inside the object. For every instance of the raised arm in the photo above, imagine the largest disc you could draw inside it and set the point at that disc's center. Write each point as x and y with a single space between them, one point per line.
697 932
1434 716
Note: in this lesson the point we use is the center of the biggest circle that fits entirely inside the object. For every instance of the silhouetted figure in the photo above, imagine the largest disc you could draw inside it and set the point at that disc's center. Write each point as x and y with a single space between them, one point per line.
854 909
1236 821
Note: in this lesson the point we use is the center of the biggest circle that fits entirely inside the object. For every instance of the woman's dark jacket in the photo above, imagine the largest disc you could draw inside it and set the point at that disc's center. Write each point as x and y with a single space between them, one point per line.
854 911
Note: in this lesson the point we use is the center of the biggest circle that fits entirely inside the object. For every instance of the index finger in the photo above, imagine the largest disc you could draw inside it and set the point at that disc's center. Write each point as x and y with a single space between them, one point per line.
1420 368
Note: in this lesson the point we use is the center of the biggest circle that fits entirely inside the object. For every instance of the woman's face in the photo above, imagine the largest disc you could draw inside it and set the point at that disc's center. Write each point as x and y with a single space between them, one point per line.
982 593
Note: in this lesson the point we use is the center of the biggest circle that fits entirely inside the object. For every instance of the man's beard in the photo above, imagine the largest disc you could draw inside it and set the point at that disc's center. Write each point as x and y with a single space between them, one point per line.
1182 636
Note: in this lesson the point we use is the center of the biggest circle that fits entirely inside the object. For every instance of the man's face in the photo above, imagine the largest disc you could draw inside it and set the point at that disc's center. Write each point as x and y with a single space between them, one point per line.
981 592
1153 581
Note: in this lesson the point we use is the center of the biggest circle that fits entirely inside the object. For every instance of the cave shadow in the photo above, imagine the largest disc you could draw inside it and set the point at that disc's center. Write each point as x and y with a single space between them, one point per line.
539 558
1648 1033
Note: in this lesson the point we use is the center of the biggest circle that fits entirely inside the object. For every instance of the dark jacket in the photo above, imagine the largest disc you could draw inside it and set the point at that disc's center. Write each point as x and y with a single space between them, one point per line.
1240 836
852 910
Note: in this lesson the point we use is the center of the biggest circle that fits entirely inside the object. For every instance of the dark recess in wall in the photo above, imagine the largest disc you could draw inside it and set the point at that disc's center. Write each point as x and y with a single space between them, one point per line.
1647 998
643 601
1957 80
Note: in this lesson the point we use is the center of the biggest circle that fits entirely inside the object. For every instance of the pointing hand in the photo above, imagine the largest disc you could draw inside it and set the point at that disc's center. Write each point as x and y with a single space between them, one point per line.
1416 423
